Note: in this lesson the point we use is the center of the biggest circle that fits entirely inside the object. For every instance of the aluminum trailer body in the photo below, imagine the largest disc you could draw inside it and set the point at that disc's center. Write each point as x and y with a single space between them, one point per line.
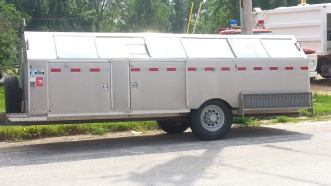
311 54
203 79
310 24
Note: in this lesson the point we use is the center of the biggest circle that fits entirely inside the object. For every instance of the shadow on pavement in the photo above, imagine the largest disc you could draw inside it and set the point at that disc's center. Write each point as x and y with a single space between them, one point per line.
138 145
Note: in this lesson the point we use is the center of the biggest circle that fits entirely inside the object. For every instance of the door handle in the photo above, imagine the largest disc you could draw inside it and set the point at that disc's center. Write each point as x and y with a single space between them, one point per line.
135 85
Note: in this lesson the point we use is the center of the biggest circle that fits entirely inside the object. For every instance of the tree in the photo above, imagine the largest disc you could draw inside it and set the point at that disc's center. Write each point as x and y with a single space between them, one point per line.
152 15
60 15
99 7
222 11
34 8
10 24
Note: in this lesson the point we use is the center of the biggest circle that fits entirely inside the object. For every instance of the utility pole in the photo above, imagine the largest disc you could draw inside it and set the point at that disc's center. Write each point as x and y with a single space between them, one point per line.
246 17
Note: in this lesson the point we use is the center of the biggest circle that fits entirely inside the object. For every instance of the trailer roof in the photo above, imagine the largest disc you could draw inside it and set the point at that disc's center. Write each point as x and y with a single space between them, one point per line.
63 45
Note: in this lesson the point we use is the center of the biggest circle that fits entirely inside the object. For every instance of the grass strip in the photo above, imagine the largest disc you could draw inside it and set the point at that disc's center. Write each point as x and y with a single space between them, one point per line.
18 133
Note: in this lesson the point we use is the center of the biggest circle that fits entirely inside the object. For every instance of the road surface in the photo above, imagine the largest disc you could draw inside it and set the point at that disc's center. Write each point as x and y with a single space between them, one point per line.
291 154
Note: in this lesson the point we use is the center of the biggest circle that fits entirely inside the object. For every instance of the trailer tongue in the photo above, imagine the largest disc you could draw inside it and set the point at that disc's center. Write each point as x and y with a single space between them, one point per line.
197 81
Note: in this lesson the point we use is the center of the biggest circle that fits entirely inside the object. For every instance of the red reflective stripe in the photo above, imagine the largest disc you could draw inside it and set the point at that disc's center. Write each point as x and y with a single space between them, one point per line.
94 69
273 68
55 70
225 68
153 69
257 68
304 68
241 68
75 70
209 69
192 69
288 68
135 69
171 69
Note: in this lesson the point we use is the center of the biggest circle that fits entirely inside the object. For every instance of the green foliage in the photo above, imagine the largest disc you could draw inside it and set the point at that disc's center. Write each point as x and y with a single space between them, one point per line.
305 112
2 99
243 120
136 15
14 133
321 104
10 24
283 119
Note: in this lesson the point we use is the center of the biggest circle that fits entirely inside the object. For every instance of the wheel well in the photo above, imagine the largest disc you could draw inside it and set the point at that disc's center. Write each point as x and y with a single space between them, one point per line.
218 99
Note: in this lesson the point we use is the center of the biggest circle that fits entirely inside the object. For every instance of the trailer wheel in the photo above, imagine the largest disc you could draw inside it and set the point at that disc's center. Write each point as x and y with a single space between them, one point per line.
173 127
12 95
212 121
2 77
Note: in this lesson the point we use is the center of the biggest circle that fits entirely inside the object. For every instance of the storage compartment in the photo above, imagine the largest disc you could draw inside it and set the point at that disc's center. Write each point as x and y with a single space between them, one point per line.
77 88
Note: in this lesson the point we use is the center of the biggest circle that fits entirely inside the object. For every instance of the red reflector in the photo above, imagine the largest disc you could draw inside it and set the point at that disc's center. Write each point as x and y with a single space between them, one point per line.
94 69
192 69
153 69
135 69
241 68
75 70
273 68
304 68
171 69
55 70
257 68
209 69
288 68
225 68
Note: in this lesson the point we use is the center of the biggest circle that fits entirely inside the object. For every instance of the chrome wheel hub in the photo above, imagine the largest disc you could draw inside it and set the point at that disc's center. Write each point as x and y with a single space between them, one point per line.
212 118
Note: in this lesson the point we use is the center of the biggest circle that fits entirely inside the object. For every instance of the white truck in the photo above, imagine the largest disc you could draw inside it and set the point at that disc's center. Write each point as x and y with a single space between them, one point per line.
310 24
181 81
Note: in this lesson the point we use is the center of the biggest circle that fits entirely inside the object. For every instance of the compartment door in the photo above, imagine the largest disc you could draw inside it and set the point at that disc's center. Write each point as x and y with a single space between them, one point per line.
79 88
157 86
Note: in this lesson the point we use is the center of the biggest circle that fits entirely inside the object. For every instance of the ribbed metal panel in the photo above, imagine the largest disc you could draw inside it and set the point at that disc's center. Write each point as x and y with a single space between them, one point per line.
276 101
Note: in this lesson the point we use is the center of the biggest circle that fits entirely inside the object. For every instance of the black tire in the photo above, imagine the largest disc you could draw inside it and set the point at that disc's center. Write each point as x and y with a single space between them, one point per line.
12 95
173 127
2 77
212 121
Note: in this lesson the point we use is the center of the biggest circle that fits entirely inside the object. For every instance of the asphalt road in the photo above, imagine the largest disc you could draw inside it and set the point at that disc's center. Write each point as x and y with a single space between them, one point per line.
291 154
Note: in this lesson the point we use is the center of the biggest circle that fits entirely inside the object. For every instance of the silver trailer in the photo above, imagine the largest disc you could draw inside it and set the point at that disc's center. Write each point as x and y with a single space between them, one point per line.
181 81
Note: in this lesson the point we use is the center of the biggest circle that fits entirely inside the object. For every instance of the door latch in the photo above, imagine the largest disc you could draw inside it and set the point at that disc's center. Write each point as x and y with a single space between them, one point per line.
104 86
135 85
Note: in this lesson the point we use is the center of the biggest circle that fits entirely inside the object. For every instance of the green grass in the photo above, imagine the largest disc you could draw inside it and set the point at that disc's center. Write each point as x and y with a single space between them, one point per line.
14 133
322 104
285 119
249 121
2 99
322 109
